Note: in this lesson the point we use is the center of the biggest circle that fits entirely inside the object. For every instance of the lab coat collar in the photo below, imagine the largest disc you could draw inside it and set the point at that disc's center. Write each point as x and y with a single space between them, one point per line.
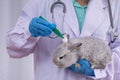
94 17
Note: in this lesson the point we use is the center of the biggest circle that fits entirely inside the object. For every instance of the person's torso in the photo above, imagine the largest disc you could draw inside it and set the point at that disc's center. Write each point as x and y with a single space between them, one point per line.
96 24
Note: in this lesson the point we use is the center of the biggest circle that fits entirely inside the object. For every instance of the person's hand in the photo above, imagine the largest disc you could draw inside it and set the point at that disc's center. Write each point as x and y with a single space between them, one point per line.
40 27
84 68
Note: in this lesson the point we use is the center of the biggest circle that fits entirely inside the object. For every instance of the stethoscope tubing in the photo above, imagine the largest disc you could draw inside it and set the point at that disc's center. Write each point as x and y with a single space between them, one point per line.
113 34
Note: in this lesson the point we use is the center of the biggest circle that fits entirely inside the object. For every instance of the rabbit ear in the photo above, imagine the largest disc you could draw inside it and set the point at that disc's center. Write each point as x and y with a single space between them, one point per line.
74 46
66 38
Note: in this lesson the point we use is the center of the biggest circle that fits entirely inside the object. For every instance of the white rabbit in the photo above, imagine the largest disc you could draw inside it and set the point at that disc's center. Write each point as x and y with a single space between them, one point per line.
89 48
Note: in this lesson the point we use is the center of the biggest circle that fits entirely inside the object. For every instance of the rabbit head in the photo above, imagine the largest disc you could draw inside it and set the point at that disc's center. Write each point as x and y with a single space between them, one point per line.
66 55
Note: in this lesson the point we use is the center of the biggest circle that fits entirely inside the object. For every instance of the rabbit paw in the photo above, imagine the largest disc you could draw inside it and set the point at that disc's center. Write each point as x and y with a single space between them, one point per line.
93 66
77 65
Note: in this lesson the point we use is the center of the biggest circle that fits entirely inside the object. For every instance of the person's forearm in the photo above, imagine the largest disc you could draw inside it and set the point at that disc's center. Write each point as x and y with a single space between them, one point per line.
19 41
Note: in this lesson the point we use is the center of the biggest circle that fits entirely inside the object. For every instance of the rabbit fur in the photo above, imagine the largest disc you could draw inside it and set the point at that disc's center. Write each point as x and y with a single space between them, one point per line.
92 49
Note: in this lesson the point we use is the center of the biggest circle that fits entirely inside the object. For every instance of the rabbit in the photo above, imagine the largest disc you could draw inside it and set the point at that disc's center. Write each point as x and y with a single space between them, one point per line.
92 49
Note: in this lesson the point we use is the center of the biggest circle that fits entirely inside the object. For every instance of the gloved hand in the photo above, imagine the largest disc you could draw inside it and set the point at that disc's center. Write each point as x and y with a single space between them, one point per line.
40 27
85 68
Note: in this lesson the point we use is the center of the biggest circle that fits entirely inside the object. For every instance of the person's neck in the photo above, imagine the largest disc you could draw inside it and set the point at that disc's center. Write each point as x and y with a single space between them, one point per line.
83 2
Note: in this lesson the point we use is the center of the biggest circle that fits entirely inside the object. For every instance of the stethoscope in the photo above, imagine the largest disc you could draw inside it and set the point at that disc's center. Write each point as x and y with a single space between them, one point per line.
58 2
113 33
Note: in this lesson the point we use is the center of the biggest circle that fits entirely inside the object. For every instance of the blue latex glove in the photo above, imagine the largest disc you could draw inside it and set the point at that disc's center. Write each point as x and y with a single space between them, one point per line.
85 68
40 27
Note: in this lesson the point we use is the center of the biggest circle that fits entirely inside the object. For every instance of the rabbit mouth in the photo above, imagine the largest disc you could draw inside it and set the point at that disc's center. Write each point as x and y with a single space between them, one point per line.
60 65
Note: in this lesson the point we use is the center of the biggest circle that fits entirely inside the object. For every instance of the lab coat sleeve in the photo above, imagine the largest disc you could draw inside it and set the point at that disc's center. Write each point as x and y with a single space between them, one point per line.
112 71
18 40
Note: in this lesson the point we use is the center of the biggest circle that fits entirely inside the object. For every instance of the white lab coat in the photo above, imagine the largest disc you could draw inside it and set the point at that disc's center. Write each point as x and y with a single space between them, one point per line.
97 24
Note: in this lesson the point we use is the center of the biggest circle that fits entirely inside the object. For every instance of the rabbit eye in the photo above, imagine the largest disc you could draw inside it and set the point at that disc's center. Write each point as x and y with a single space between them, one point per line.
62 57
